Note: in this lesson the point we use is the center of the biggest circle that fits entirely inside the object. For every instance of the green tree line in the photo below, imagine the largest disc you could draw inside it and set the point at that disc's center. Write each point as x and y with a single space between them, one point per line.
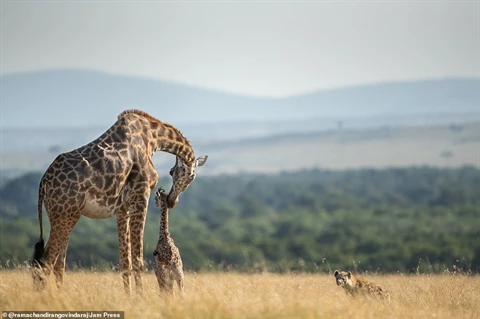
388 220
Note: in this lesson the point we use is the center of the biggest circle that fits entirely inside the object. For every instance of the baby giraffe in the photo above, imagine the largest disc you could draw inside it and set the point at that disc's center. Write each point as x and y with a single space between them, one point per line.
168 263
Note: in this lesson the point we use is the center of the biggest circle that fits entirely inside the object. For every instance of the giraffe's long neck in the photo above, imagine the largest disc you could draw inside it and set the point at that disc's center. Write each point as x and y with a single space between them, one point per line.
164 233
167 138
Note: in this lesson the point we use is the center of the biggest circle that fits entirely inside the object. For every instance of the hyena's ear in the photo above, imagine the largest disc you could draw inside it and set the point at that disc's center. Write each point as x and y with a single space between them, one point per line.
335 273
201 160
349 275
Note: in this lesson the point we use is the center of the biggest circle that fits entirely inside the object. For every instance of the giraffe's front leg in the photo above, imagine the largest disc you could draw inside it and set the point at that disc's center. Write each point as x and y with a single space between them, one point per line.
125 258
137 227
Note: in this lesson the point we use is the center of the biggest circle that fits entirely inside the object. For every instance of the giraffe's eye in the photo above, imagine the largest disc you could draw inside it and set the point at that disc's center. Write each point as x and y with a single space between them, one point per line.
155 252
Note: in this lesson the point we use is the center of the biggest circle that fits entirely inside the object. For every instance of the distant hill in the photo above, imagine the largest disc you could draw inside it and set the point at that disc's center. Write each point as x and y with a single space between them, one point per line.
79 98
452 145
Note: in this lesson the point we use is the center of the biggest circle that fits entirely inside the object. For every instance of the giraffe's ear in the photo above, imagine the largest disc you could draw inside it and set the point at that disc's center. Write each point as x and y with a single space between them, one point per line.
349 275
335 273
201 160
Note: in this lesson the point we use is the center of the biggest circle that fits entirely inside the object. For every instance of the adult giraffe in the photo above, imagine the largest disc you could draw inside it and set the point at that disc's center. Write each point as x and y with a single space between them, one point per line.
110 176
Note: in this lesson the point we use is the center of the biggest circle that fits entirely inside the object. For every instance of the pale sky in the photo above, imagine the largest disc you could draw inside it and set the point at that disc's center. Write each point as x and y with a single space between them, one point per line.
258 48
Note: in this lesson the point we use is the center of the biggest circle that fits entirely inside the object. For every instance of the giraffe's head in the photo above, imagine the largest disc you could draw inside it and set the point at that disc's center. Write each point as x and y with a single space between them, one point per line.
183 175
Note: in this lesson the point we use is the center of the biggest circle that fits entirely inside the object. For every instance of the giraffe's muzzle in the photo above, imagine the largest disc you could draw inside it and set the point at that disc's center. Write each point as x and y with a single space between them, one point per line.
172 200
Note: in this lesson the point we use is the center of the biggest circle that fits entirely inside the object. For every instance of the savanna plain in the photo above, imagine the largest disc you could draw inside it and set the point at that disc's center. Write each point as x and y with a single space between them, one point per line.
235 295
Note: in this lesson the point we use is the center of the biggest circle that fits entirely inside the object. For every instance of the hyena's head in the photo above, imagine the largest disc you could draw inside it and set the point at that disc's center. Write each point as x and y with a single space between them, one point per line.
344 278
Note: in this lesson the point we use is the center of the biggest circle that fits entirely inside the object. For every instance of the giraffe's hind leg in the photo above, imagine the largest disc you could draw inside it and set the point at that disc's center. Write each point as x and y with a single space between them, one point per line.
39 271
59 267
55 250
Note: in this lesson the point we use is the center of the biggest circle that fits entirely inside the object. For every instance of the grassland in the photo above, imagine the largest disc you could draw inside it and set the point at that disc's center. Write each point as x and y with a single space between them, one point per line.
231 295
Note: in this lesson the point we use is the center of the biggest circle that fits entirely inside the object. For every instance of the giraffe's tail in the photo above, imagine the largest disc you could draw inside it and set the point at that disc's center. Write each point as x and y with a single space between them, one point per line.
40 245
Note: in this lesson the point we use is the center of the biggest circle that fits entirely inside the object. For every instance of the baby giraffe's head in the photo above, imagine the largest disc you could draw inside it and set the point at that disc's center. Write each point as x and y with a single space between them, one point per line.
161 198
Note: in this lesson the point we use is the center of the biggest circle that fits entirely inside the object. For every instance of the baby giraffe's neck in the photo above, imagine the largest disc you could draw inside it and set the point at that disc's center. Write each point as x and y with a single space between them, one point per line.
164 233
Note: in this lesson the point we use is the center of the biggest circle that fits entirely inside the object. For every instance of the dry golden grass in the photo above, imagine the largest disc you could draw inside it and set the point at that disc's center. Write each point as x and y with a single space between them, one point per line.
229 295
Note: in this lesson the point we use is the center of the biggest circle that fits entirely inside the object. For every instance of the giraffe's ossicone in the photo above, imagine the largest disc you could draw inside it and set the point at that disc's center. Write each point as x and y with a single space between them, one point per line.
110 176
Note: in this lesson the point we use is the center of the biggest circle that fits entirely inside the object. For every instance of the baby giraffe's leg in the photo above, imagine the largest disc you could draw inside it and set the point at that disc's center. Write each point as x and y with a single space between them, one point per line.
164 280
179 277
161 275
170 280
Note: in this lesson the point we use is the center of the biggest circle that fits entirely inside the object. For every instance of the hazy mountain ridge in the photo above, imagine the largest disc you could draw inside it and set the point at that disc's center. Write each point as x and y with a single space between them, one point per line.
77 98
43 139
45 113
445 145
